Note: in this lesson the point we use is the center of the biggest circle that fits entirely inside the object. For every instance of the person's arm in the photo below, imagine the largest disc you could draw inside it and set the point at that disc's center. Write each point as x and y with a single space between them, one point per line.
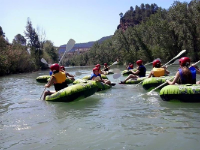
175 79
69 75
151 73
51 81
136 72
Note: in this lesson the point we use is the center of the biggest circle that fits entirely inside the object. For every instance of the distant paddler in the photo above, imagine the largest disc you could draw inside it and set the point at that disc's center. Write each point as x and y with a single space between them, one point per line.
140 72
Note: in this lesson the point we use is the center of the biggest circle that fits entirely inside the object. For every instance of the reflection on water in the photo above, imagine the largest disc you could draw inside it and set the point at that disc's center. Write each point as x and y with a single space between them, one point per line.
123 117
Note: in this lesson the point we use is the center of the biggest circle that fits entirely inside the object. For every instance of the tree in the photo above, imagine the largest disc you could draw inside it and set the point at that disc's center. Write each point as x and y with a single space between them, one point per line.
1 32
19 39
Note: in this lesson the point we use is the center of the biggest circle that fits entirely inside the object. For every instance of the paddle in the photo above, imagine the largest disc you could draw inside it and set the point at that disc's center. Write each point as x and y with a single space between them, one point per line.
69 46
176 57
116 62
166 82
152 61
45 62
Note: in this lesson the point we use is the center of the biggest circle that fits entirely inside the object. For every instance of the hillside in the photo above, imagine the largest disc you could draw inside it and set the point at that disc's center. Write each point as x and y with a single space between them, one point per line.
82 45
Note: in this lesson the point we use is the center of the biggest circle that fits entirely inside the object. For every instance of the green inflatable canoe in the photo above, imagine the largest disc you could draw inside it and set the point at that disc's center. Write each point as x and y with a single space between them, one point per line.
185 93
126 72
108 72
101 86
136 81
74 92
45 79
88 77
153 82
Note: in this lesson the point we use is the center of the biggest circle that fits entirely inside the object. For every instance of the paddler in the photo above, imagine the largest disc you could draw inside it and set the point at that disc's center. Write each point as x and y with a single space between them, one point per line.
97 77
157 70
129 67
185 74
58 79
69 76
140 72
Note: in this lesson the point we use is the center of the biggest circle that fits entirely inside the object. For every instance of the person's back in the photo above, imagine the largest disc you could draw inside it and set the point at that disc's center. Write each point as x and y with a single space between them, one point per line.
185 74
157 70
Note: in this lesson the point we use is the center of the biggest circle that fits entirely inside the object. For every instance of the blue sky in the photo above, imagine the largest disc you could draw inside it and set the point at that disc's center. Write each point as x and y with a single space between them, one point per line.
82 20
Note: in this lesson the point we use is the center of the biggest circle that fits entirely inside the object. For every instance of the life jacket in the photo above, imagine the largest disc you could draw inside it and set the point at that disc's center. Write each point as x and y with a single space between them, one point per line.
193 72
157 72
142 70
60 80
94 75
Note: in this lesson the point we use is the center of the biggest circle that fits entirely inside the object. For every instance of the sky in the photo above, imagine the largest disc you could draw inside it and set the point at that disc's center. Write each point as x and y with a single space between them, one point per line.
81 20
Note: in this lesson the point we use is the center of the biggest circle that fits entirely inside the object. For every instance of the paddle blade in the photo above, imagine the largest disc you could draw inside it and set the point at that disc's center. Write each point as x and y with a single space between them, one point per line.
116 76
180 54
69 45
44 61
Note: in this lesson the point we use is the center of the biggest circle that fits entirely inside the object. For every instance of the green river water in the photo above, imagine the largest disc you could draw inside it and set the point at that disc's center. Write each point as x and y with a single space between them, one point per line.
117 118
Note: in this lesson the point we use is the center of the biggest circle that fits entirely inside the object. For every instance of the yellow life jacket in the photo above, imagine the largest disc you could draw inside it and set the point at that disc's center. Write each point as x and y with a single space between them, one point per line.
157 72
60 77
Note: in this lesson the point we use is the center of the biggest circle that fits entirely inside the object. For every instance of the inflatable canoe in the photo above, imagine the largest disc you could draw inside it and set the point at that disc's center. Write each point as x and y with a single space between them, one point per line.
185 93
101 86
135 81
151 83
126 72
45 79
74 92
88 77
108 72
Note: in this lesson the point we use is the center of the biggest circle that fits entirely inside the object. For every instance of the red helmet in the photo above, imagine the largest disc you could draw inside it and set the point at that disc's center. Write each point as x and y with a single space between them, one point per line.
62 67
98 65
131 66
55 67
95 68
105 64
184 61
139 62
156 62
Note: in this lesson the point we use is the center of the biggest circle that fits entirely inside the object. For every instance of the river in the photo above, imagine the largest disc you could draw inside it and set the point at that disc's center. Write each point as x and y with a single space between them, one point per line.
117 118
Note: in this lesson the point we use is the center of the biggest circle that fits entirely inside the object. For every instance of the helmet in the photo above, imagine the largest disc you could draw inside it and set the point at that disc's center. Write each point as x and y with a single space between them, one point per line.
98 65
55 67
131 66
156 62
184 61
62 67
139 62
105 64
95 68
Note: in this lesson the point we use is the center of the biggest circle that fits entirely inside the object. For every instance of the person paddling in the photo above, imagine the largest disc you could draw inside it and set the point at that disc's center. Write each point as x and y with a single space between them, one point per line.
129 67
99 67
97 77
140 72
69 76
105 67
185 74
58 79
157 70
